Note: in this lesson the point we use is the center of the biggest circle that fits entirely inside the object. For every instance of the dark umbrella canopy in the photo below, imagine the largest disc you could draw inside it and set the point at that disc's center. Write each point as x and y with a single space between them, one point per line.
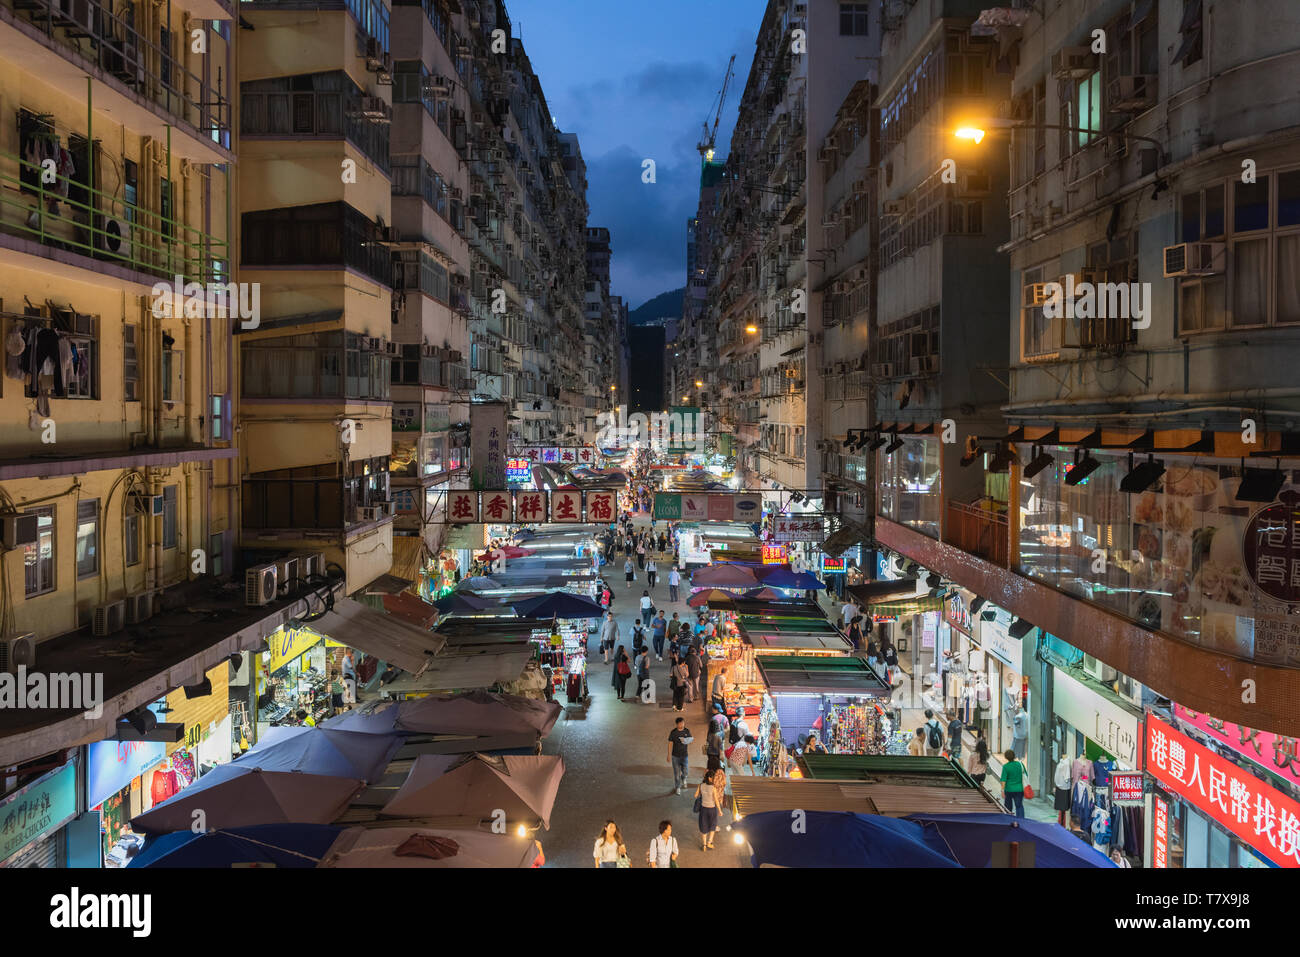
381 720
461 603
345 754
482 713
558 604
278 845
970 837
724 576
841 839
782 577
477 583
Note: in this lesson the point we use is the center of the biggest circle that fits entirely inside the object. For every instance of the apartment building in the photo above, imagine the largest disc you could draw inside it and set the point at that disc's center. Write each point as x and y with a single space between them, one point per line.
694 349
770 255
601 348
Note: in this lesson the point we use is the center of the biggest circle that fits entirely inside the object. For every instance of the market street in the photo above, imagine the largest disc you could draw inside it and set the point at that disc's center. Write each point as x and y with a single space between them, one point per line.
616 756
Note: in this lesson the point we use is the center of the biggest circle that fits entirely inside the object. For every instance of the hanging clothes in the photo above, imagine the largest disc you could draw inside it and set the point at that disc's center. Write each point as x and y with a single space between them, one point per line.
1081 770
15 346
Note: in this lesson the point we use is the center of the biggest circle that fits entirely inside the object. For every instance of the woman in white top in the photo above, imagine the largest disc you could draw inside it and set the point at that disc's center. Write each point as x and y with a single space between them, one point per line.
609 846
647 606
742 755
663 849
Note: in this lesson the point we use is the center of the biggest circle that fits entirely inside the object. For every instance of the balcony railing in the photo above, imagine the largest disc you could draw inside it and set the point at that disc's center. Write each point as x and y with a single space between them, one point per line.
103 226
90 31
980 529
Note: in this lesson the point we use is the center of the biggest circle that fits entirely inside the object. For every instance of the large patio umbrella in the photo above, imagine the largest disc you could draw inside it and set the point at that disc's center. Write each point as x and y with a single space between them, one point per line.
842 839
702 598
763 594
231 795
970 838
429 847
277 845
344 754
724 576
464 790
558 604
781 576
476 583
380 720
462 603
480 713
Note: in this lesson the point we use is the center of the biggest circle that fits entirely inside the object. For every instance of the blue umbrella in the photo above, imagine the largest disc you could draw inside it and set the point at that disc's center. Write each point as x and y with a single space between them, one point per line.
463 603
782 577
970 838
279 845
558 604
383 721
841 839
342 754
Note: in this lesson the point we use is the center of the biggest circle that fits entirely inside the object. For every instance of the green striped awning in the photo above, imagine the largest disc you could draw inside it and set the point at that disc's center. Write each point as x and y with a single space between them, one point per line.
907 606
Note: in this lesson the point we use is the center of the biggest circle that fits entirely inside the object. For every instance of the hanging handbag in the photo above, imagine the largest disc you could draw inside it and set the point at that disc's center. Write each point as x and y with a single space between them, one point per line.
699 803
1029 788
624 861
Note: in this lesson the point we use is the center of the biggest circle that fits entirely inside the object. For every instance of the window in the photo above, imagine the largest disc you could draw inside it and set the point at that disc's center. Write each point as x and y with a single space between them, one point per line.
219 418
1189 49
169 516
38 558
1087 105
1036 327
216 553
167 211
318 235
173 375
854 19
130 365
87 538
326 105
131 536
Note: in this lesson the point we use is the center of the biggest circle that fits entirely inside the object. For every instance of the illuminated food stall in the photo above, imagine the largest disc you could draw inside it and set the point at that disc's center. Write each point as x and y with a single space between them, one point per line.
839 698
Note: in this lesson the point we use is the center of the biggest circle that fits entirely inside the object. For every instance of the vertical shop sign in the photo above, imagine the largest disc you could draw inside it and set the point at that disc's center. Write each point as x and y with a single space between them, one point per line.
487 424
530 507
566 507
601 506
1160 837
1260 815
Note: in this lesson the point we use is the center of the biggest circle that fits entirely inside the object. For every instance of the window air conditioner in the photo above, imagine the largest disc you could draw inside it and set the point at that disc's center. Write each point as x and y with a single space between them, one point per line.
1098 670
1034 294
18 530
1131 93
1195 259
286 571
1073 63
108 618
18 650
894 207
140 607
259 585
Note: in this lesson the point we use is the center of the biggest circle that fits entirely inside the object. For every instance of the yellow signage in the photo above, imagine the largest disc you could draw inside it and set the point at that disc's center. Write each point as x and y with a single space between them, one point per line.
288 643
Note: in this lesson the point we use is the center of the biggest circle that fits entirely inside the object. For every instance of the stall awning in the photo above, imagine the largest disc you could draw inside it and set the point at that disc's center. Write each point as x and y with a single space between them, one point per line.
411 609
388 585
909 606
872 593
387 637
464 672
842 538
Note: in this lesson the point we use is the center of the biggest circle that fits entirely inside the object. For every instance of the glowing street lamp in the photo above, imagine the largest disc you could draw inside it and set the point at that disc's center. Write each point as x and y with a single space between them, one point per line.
751 329
699 384
972 133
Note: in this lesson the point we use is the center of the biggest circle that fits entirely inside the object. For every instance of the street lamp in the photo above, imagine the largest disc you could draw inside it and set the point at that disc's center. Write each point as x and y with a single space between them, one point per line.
751 329
976 130
699 384
973 133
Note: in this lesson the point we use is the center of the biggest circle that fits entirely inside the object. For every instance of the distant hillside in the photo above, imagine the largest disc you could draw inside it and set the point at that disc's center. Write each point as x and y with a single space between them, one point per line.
664 305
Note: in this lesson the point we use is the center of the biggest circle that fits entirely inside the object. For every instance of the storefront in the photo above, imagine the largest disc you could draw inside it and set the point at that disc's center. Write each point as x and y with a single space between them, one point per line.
34 820
294 674
1000 684
1207 811
839 699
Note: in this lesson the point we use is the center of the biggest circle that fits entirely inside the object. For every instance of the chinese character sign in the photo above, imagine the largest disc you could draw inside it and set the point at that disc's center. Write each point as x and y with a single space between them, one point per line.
1126 787
803 528
550 456
532 455
462 507
496 506
1271 548
568 456
566 506
530 507
774 555
487 424
1260 815
518 470
601 506
585 456
1275 752
1161 840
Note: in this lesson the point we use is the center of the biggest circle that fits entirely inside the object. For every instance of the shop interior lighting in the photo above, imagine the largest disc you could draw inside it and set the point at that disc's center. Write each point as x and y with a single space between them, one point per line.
1002 458
1040 461
893 446
1260 485
1084 465
1142 476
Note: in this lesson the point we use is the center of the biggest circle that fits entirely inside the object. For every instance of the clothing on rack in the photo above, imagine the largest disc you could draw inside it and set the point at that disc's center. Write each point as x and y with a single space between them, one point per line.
1081 770
1101 769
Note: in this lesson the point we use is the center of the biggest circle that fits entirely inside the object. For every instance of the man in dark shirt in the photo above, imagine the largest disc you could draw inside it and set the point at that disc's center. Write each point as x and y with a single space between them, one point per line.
678 754
954 738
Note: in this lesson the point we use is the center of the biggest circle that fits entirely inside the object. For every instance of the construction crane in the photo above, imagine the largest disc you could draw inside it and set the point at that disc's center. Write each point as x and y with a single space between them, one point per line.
710 134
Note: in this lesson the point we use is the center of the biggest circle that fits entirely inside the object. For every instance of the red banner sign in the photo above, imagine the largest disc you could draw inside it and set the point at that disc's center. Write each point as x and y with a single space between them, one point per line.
1126 787
774 555
1261 816
1275 752
1160 841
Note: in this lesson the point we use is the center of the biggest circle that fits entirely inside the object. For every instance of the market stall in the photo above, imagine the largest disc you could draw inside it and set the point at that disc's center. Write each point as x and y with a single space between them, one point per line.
841 699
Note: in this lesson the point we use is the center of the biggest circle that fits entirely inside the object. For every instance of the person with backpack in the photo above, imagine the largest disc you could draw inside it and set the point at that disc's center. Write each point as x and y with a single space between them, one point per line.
933 735
638 637
663 848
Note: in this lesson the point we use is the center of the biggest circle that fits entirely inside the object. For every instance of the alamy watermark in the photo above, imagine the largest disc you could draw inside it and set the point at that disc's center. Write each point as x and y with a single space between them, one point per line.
1101 300
57 691
194 300
680 430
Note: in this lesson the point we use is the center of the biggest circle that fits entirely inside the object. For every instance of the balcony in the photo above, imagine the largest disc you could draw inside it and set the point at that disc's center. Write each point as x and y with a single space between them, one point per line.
71 223
980 529
142 84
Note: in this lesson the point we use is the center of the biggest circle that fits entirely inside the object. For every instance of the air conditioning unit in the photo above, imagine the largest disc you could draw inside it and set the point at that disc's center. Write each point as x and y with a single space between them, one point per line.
1195 259
974 184
113 237
76 15
286 571
894 207
18 530
372 108
882 370
1131 93
311 564
369 513
108 618
1073 63
259 585
436 85
457 193
376 58
387 507
925 365
140 607
18 650
1034 294
861 274
1098 670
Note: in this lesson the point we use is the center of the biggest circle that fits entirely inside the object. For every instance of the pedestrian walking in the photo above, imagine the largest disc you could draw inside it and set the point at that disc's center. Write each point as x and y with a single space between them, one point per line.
741 756
1013 783
610 851
706 806
916 747
658 628
614 671
629 572
640 554
606 596
718 692
933 735
647 605
638 637
679 755
680 677
642 671
692 674
608 635
663 543
674 580
714 743
663 847
848 611
1020 730
978 762
955 728
651 573
622 672
855 634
